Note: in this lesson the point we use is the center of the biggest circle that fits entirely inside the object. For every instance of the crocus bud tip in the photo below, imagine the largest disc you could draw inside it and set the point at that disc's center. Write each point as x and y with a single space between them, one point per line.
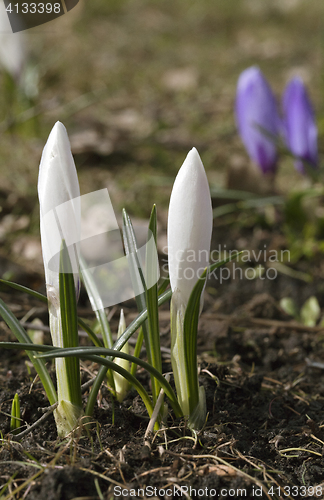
59 131
193 160
248 74
193 154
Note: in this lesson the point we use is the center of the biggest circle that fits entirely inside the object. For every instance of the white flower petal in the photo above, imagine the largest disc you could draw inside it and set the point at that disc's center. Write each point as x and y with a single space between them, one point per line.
190 223
59 198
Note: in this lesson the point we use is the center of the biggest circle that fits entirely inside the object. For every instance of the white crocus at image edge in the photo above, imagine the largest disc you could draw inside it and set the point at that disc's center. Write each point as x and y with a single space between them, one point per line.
190 222
12 46
59 198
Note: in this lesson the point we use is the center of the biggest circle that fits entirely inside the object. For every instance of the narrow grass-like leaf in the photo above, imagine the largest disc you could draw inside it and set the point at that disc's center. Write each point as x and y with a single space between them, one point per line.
23 337
15 414
131 250
97 305
221 263
24 289
105 328
136 271
152 302
190 327
137 322
137 350
92 336
164 285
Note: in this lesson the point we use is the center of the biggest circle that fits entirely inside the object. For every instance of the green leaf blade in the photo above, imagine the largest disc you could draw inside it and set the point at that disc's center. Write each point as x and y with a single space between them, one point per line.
69 318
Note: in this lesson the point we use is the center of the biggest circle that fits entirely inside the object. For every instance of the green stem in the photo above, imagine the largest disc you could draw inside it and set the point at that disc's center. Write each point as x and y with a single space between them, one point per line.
152 300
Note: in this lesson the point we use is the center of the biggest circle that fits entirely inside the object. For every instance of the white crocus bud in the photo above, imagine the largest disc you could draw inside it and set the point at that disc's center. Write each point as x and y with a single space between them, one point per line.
59 199
121 384
60 219
12 46
190 223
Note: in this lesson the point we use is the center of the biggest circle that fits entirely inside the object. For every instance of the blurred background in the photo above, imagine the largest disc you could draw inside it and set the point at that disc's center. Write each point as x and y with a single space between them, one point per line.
138 83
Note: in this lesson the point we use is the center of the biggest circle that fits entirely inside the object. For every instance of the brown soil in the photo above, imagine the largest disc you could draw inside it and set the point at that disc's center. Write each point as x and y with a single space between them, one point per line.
263 437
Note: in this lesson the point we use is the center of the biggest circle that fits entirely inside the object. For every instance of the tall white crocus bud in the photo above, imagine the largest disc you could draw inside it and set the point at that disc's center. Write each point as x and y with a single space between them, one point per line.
190 222
60 219
60 210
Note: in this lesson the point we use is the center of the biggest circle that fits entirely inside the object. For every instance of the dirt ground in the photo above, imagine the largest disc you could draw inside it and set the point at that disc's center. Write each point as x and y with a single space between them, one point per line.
138 83
264 432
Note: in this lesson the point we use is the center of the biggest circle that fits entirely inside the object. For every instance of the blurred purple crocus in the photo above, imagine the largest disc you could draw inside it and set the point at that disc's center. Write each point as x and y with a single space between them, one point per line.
300 130
257 118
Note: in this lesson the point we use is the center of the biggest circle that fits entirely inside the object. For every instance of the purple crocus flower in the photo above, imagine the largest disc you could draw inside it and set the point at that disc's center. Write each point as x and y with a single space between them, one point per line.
257 118
300 130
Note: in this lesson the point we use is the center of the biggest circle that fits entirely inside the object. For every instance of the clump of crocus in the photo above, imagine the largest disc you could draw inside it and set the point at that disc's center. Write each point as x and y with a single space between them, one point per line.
60 219
190 222
257 118
300 130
